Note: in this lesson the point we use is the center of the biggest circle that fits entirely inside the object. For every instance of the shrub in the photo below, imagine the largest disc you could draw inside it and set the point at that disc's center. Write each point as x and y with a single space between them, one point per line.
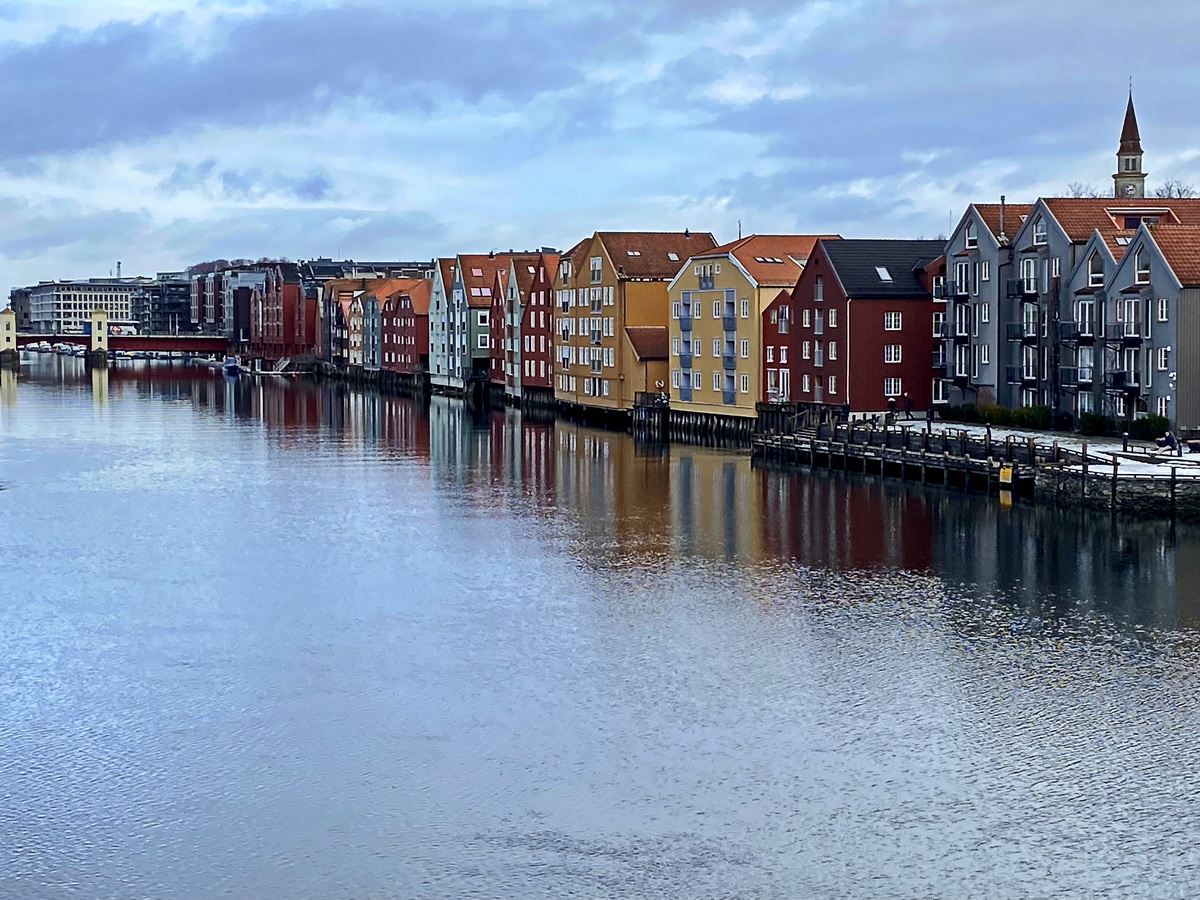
1148 428
1038 417
995 414
1092 423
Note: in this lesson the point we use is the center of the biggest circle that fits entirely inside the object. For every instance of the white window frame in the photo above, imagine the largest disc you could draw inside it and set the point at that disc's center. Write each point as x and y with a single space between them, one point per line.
745 383
831 384
745 308
893 353
745 348
697 380
831 351
831 319
1163 361
893 386
893 321
1163 309
805 350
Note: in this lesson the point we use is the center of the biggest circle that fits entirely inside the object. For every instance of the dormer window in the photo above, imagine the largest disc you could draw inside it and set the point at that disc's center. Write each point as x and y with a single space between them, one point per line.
1039 230
971 238
1141 266
1095 269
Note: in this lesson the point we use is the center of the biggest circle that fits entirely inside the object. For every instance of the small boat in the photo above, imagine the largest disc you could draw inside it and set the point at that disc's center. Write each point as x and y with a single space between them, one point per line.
231 366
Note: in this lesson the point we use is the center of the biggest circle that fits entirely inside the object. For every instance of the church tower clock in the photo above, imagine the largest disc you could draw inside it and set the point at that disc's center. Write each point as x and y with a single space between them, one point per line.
1129 179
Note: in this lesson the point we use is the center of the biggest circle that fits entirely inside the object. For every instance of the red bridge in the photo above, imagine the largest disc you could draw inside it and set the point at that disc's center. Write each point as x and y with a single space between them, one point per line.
179 343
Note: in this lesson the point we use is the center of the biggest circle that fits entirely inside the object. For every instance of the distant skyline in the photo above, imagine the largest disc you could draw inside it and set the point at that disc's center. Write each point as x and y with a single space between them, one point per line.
166 132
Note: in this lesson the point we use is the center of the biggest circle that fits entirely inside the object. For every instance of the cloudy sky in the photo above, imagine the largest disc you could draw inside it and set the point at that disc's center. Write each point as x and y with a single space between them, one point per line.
166 132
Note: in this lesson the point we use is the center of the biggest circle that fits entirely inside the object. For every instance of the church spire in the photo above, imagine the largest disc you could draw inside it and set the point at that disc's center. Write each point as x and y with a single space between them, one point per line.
1129 179
1131 141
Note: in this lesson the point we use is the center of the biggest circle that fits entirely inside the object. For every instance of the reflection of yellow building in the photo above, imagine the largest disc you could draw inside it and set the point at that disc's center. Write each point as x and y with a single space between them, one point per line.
716 505
8 388
610 316
99 385
718 300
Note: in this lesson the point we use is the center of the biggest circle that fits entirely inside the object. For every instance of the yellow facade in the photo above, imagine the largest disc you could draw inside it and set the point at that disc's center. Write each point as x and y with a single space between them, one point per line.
703 282
593 305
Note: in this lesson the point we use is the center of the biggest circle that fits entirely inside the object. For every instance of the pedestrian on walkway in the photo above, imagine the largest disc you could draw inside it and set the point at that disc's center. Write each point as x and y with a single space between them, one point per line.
908 405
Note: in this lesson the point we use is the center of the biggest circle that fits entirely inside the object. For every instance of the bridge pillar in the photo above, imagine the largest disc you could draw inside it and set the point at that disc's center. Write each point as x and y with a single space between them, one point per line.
10 356
98 345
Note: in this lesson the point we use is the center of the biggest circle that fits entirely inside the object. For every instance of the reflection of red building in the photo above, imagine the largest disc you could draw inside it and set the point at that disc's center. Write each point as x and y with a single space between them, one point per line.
405 327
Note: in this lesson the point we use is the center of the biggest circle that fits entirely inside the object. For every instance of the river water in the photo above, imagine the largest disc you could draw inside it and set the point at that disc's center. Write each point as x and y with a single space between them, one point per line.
297 641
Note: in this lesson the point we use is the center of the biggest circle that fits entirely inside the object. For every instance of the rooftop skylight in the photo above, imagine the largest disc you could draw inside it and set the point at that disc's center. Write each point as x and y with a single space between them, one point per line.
884 274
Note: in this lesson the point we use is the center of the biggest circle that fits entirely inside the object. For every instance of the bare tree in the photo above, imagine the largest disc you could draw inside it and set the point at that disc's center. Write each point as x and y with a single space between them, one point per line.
1079 189
1173 187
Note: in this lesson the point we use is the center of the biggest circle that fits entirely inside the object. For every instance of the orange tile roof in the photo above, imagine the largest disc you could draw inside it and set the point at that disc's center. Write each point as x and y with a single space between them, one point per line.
1014 214
446 267
1080 216
647 254
649 341
417 289
478 288
792 250
1180 244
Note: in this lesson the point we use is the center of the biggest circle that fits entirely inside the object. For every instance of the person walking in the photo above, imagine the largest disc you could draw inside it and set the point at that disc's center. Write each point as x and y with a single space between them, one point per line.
908 405
891 410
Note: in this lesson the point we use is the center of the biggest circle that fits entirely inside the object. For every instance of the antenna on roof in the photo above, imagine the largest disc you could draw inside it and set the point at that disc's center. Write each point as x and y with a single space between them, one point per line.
739 229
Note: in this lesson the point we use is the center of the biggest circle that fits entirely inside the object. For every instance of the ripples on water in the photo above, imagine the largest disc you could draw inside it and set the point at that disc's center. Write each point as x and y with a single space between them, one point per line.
283 641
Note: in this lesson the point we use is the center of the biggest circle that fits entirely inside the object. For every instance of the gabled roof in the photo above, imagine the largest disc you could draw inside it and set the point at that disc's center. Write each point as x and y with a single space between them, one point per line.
771 259
1180 246
648 254
649 341
525 268
417 289
856 263
1014 216
1080 216
446 268
550 262
478 275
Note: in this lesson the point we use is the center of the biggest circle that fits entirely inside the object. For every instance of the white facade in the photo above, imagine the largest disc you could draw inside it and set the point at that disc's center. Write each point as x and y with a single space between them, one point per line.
62 307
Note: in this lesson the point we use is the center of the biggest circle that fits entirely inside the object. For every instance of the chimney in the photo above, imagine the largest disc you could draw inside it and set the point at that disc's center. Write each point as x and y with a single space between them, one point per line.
1003 239
118 268
491 254
687 232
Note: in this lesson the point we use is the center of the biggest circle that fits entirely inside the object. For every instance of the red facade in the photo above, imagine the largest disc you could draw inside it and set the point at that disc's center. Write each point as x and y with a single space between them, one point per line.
405 328
862 351
499 350
537 326
776 344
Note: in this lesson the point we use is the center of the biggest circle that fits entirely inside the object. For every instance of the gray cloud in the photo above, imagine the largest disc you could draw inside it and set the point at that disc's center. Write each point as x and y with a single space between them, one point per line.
248 185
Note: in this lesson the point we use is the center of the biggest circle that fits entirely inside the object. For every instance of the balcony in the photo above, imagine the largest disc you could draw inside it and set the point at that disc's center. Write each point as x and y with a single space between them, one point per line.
1021 287
729 362
1077 332
728 398
940 360
1128 382
1076 376
1020 375
955 291
1131 333
685 392
1025 332
705 283
729 322
685 324
685 360
941 330
962 335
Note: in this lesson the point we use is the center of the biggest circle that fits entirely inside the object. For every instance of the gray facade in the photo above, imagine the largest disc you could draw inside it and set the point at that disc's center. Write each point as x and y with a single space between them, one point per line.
441 341
372 313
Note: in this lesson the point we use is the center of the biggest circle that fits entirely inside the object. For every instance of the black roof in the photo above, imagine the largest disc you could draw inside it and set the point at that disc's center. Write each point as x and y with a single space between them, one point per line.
856 262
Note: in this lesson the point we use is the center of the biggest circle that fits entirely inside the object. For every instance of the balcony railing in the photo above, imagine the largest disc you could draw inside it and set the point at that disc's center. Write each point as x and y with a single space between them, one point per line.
729 362
940 359
728 397
941 330
1076 376
1128 381
685 392
705 283
1020 375
1022 331
685 360
685 323
1131 333
1077 332
729 322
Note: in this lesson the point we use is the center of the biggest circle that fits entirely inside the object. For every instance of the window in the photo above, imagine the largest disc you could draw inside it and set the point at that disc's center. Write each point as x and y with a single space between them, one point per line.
770 354
805 350
597 265
892 387
716 381
1161 406
674 378
891 353
716 309
675 310
674 346
745 384
672 256
985 270
782 355
892 321
1141 266
716 345
605 386
745 308
1164 307
784 320
1055 267
481 318
832 318
984 354
697 383
1095 269
1039 230
745 348
806 318
819 288
832 348
971 238
985 312
804 383
832 382
962 274
696 345
483 342
1164 358
1029 275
